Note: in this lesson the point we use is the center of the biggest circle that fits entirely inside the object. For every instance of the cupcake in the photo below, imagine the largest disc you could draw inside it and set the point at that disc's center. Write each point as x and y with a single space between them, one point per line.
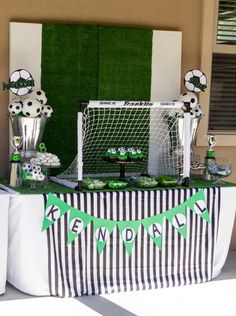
140 154
133 156
113 154
122 154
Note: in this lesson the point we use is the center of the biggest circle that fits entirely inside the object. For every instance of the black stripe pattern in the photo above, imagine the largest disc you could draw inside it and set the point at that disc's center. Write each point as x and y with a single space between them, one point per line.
78 269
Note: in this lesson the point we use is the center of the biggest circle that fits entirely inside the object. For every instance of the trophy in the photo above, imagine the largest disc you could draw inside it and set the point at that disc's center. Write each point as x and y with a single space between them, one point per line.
15 162
210 156
211 139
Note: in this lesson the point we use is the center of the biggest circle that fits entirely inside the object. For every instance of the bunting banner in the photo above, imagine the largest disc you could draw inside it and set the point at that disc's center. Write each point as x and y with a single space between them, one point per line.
128 229
177 217
153 226
102 230
77 222
55 208
197 203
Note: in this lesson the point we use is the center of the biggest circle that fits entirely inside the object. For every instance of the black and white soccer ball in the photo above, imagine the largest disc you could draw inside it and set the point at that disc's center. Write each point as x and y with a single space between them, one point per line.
47 111
196 112
189 97
15 107
19 76
41 177
36 168
27 167
31 107
195 80
40 95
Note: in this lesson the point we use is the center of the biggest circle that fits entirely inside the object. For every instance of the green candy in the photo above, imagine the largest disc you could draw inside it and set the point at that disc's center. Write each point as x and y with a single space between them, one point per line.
42 148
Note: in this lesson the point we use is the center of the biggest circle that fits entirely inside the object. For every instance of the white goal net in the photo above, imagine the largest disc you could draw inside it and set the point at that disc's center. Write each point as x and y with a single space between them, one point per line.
154 127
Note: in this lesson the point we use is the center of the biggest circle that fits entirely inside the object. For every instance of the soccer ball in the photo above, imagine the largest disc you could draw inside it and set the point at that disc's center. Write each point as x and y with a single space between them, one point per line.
195 80
36 168
31 107
27 167
41 177
47 110
40 96
35 174
15 107
23 81
198 111
189 97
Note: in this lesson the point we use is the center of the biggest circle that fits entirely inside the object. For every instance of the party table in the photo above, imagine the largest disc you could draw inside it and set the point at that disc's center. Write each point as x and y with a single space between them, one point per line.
129 239
4 205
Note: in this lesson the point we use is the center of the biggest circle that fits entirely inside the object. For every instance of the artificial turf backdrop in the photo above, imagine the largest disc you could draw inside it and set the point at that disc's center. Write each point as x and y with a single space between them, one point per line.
90 63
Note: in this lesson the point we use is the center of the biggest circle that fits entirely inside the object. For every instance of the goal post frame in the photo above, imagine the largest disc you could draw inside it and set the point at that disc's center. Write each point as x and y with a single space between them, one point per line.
134 104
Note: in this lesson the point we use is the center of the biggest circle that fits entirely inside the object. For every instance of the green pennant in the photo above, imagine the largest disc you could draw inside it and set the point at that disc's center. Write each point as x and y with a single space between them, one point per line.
77 222
128 231
55 208
197 203
153 226
102 230
177 217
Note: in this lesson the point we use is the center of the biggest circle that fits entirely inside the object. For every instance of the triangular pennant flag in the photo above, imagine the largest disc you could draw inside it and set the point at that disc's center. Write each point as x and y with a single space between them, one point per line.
102 230
177 217
128 231
77 222
55 208
153 226
197 203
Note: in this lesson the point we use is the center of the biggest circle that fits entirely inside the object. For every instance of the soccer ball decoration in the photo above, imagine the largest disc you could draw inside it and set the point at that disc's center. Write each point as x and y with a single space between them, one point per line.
32 172
31 107
40 95
15 107
36 168
27 167
33 104
195 80
196 112
189 97
21 82
47 110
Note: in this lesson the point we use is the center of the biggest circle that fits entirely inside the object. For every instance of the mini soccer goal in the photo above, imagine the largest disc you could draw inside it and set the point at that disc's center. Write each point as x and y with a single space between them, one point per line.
159 129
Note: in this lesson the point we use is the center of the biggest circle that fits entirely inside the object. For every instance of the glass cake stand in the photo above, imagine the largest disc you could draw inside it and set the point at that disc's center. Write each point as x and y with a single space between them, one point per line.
46 171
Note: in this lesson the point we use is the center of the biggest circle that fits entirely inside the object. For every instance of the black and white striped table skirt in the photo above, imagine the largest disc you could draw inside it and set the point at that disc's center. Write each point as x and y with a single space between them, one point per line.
78 269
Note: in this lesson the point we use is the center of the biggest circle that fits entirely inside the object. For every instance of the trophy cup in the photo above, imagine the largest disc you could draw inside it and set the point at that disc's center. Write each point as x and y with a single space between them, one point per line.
15 162
210 156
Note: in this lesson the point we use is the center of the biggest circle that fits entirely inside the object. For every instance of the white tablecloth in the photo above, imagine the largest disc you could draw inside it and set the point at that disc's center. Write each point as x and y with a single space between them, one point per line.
28 251
4 205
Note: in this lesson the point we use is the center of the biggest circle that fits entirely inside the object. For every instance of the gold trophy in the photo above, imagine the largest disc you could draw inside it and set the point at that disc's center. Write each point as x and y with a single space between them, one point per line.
15 162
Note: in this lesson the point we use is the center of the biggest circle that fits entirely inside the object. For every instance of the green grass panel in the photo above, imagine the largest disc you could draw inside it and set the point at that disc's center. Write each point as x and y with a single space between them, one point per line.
125 57
69 74
86 63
